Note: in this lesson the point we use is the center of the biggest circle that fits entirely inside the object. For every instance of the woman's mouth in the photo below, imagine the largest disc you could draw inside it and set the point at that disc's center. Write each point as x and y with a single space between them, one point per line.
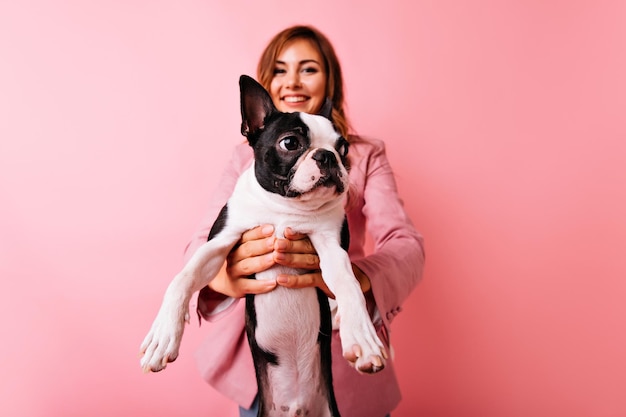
295 99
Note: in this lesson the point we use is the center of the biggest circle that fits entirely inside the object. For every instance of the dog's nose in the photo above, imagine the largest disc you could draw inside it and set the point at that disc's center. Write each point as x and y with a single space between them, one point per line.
324 158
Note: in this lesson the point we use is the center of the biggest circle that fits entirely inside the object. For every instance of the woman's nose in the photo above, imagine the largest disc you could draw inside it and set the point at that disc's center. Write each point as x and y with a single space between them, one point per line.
293 80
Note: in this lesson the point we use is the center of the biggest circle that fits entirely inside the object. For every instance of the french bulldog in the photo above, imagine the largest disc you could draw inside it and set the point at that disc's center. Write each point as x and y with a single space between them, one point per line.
298 179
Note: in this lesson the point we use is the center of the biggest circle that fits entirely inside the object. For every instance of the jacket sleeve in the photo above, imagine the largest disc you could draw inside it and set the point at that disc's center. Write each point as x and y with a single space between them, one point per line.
209 303
397 261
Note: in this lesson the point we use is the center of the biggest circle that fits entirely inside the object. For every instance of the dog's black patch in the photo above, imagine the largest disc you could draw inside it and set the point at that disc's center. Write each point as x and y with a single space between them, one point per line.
342 146
206 292
251 324
290 139
324 340
345 235
220 222
261 358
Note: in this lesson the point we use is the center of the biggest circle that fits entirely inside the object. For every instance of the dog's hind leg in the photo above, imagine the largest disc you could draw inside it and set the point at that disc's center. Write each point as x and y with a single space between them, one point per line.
289 334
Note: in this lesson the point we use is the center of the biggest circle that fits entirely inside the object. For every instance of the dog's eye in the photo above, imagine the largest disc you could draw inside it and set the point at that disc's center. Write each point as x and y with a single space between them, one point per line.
342 147
290 143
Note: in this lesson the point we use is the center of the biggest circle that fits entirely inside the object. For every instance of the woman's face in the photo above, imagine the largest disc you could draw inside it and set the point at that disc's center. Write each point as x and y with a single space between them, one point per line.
299 82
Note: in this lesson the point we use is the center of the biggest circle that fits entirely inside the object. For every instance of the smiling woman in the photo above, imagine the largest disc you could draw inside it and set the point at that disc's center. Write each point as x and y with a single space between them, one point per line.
504 125
299 82
300 70
307 55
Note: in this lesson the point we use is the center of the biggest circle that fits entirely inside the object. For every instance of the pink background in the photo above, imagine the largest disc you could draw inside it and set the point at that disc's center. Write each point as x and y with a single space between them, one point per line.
504 123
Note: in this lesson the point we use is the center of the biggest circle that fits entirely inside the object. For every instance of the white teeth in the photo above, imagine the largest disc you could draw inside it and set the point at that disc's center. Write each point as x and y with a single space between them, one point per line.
296 99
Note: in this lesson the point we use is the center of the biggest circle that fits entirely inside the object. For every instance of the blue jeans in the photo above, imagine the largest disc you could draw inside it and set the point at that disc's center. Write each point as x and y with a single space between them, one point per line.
253 411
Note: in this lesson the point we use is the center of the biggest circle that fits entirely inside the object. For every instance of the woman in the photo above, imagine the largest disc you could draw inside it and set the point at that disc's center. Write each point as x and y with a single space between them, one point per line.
300 69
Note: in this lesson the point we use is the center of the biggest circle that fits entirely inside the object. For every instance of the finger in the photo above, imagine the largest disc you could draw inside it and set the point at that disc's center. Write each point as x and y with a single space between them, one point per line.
253 286
249 265
251 249
258 232
293 235
297 281
294 246
297 260
304 281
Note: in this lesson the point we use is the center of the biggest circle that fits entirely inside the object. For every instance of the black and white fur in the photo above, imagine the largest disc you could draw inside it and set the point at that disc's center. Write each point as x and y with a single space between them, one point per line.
298 179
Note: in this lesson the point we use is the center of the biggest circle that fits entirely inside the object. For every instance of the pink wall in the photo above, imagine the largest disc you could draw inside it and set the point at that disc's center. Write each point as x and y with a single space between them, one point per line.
504 122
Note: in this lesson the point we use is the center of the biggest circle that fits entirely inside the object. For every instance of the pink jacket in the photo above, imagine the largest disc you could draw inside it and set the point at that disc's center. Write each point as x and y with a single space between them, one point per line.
394 268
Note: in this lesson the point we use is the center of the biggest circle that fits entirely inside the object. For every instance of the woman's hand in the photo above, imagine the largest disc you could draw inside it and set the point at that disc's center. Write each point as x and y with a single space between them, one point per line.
296 251
253 253
259 250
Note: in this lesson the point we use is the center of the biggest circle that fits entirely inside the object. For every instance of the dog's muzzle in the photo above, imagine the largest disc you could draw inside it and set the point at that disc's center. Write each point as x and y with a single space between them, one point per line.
329 168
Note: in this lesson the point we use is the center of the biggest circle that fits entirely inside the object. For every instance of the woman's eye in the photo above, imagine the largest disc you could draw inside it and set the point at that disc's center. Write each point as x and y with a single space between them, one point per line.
279 71
310 70
290 143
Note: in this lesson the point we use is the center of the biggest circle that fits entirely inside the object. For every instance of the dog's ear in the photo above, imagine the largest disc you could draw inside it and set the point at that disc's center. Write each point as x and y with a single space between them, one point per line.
327 109
256 106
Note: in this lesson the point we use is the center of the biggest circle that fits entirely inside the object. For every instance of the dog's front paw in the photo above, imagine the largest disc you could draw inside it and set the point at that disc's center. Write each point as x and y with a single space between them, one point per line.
367 363
163 341
362 347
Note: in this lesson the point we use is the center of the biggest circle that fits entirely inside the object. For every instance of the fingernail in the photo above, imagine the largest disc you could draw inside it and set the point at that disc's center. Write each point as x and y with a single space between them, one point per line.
282 279
268 229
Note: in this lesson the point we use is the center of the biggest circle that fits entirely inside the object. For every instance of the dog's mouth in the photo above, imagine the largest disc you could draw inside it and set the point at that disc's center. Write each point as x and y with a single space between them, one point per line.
332 180
323 182
319 170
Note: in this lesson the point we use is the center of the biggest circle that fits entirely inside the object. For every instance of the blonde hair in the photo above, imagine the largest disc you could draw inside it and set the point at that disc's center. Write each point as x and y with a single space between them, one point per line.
332 68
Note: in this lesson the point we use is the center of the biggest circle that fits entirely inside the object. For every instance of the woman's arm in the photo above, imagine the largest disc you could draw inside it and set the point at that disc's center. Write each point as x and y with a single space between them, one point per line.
396 264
